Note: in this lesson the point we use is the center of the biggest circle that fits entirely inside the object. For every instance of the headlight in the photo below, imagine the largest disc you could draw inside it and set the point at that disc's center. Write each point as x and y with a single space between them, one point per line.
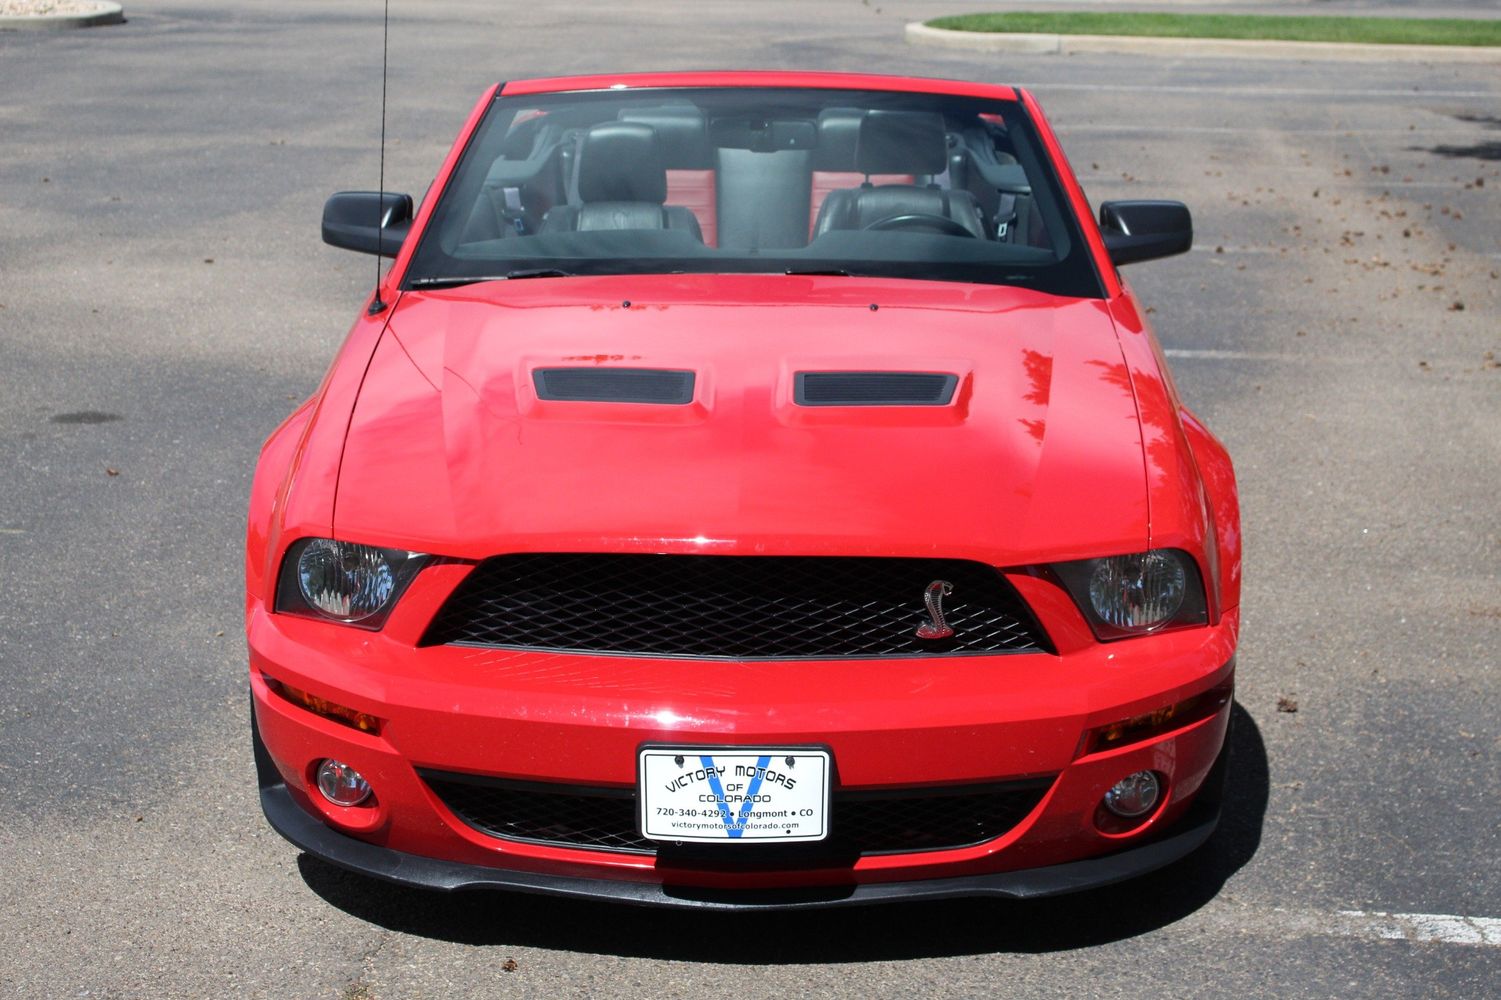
344 581
1138 593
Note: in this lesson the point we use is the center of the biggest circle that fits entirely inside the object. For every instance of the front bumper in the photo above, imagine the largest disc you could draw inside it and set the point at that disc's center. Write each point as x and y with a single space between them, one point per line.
578 720
321 841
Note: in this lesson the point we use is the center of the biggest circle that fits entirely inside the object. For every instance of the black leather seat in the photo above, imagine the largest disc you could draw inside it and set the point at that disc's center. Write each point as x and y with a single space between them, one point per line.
622 184
901 142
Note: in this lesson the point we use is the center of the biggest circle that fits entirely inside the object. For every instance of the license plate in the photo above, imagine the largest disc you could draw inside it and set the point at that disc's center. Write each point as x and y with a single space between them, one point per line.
713 794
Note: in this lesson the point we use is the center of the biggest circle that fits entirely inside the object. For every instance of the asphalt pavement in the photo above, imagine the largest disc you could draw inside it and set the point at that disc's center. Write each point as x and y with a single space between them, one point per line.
165 300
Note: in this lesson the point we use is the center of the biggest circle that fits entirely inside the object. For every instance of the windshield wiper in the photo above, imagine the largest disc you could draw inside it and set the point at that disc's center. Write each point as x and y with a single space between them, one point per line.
455 280
452 281
818 272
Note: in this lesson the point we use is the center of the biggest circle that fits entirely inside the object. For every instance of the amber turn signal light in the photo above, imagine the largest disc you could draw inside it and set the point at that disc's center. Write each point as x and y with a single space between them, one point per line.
1159 720
362 721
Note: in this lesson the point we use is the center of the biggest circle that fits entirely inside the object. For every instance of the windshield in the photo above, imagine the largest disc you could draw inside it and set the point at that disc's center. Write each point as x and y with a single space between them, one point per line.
755 180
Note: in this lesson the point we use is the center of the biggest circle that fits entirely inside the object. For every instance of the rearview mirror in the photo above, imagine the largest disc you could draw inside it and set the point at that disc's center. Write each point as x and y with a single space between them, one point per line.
1145 230
367 221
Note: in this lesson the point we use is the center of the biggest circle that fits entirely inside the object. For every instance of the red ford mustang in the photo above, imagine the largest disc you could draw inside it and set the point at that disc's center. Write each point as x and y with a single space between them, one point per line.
746 489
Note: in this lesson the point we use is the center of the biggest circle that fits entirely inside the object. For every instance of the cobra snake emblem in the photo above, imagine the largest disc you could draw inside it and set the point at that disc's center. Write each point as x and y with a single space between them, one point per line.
933 597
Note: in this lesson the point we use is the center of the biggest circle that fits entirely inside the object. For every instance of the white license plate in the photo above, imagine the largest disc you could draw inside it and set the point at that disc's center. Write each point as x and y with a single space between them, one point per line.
742 794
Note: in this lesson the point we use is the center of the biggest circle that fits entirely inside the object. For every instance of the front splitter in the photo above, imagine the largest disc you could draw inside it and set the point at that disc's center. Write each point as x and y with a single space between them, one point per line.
321 841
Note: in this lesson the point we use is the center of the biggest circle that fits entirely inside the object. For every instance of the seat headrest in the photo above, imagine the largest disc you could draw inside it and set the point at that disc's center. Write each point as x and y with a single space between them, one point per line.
901 142
682 132
838 134
621 161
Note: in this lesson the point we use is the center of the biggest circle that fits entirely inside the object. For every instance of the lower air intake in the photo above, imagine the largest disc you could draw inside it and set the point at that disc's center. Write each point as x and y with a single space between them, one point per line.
860 822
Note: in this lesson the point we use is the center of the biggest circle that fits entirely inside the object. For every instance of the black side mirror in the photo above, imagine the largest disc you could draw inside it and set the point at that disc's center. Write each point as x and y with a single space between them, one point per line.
1145 230
367 221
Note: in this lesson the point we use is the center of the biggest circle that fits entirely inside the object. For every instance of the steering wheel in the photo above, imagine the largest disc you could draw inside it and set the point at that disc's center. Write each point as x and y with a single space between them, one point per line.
927 220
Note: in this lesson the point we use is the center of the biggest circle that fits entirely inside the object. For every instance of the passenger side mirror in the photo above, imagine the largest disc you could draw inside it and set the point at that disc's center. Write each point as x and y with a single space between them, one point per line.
367 221
1145 230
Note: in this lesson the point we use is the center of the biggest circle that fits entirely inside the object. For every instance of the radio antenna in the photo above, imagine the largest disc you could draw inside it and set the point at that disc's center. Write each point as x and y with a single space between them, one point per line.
376 305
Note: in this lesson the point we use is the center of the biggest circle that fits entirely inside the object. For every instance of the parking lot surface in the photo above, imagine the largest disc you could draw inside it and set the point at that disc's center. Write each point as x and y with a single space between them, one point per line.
165 301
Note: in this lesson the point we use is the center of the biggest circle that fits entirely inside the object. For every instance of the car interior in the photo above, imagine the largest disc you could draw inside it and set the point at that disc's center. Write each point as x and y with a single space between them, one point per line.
754 183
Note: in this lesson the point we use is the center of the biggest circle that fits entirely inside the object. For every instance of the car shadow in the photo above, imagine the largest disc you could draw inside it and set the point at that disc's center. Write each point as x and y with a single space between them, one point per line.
858 934
1487 149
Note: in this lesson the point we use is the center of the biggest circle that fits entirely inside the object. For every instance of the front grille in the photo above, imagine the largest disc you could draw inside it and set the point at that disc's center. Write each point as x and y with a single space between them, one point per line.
860 822
732 607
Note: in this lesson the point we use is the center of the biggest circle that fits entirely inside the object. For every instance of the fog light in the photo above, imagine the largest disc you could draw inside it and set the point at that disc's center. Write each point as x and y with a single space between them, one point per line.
1134 795
341 784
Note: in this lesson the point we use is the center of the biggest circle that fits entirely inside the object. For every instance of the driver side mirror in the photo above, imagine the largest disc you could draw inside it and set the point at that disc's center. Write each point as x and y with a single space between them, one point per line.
1145 230
367 221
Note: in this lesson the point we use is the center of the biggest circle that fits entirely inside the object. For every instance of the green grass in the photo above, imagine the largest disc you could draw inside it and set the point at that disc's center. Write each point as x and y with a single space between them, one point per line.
1367 30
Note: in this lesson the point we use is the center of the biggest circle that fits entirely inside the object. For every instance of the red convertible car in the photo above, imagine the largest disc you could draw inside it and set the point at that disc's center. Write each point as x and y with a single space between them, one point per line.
746 490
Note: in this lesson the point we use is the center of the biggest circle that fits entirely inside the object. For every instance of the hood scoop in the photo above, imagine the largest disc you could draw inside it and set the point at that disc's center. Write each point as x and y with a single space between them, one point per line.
874 388
662 386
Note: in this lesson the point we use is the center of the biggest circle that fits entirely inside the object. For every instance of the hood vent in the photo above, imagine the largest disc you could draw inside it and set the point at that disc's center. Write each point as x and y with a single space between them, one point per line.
615 385
874 388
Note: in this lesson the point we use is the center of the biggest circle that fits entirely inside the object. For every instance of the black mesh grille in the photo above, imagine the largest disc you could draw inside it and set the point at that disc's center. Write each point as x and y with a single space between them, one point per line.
615 385
874 388
737 607
861 822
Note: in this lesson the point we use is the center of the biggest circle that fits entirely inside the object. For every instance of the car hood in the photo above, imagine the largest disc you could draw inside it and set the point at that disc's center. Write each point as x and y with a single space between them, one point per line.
1038 456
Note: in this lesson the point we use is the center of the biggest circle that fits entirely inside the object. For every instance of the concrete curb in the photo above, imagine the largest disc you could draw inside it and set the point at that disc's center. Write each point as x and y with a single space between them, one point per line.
995 41
108 13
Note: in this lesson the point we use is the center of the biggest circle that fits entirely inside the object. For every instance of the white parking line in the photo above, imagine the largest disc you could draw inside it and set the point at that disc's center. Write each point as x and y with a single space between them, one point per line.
1196 354
1367 925
1424 95
1231 248
1285 357
1441 928
1384 183
1068 127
